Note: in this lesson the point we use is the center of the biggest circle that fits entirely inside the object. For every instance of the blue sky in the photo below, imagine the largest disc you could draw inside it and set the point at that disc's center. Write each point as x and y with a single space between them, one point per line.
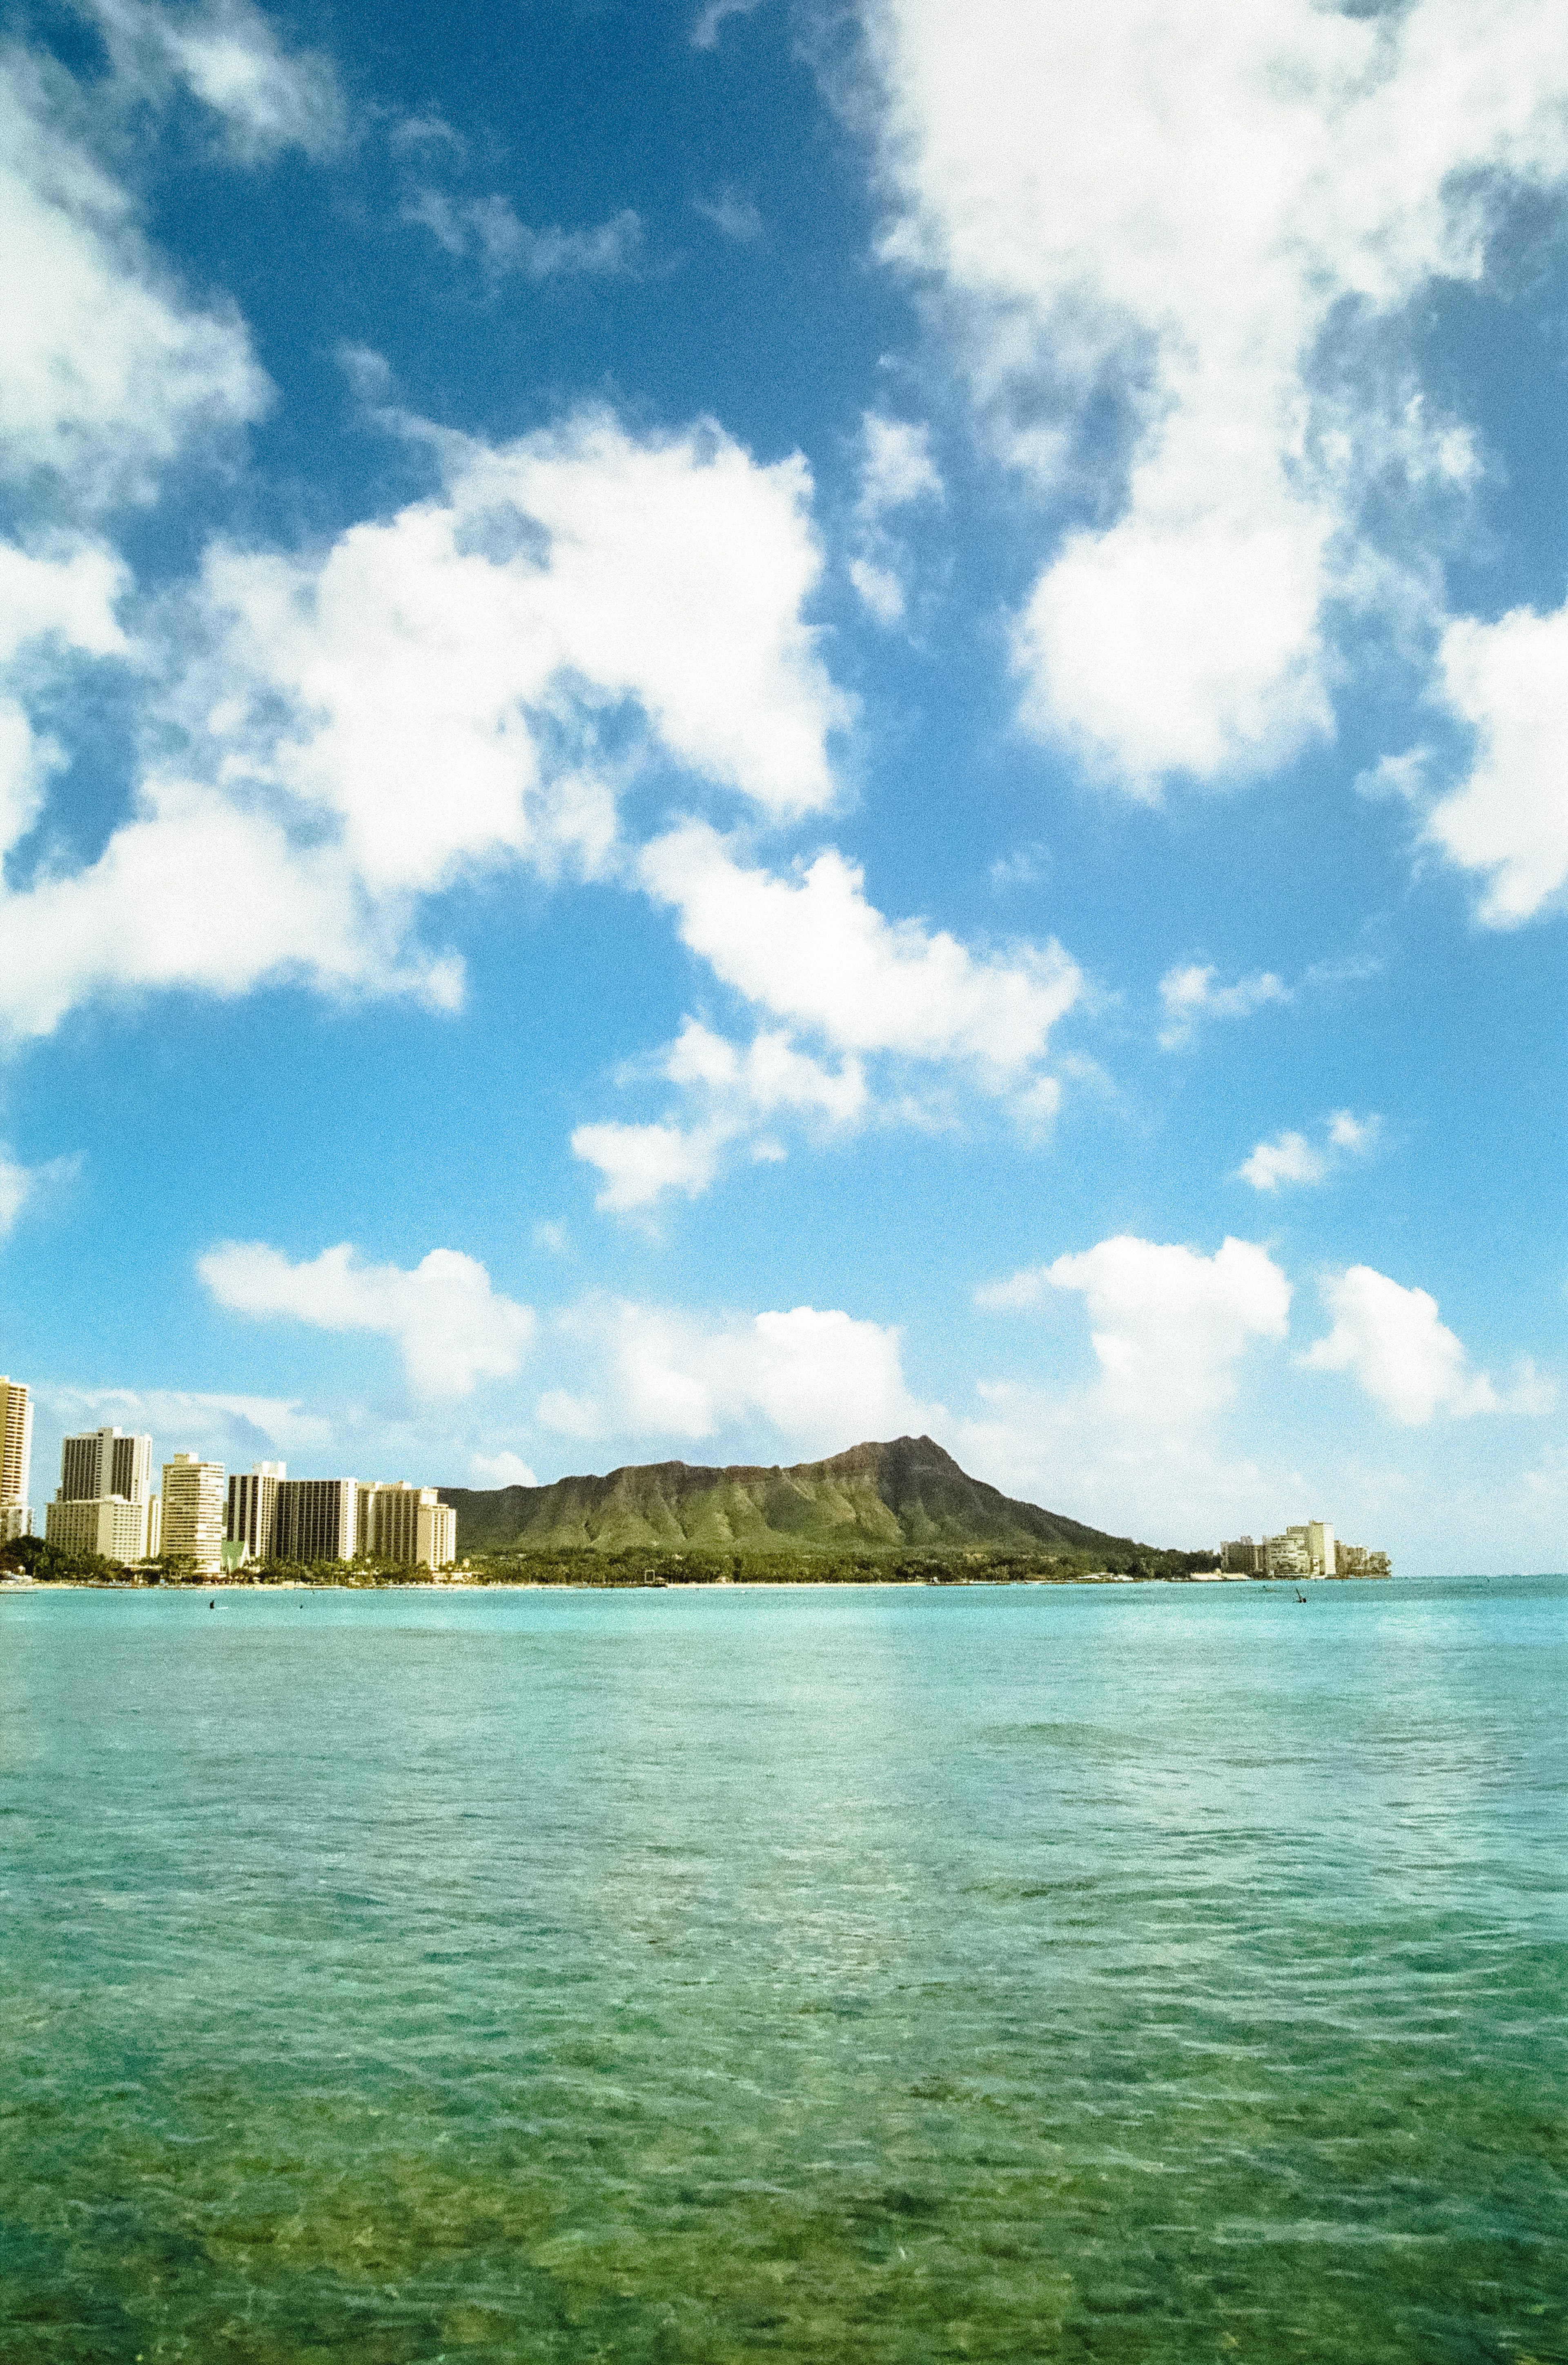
727 728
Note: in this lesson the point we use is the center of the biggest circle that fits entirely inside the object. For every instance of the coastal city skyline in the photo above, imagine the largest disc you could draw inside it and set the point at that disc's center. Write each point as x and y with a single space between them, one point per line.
223 1523
727 727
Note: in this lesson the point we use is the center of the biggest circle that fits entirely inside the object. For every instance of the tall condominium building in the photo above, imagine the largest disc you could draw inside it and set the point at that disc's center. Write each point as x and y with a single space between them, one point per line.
315 1518
192 1510
105 1503
16 1459
410 1524
251 1517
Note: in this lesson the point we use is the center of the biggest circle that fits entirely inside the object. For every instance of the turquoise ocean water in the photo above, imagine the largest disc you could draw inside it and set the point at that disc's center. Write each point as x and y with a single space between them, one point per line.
1127 1974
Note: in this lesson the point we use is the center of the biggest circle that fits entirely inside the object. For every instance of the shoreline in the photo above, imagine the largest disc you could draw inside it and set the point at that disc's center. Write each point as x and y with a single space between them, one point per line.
443 1585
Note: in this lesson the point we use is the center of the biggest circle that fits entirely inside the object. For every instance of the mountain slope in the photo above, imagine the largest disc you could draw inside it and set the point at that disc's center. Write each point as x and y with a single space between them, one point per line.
873 1497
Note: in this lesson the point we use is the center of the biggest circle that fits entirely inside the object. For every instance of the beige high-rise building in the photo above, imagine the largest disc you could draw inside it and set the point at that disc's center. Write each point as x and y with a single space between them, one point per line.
192 1512
398 1521
113 1470
16 1459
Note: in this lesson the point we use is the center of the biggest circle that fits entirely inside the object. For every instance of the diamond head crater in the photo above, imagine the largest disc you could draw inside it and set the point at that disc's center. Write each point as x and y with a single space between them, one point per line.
903 1511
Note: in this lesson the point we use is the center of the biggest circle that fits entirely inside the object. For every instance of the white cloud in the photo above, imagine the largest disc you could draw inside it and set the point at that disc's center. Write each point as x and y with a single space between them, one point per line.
815 950
1190 995
230 1426
230 56
897 471
897 467
734 1089
195 894
1356 1134
1170 1326
20 1185
1153 217
734 213
505 1469
1509 820
713 16
641 1162
1291 1157
1390 1340
568 1415
819 1377
350 731
110 371
490 228
452 1327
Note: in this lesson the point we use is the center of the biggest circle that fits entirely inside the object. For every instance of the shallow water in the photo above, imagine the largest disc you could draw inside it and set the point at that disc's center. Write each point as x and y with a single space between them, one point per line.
1139 1973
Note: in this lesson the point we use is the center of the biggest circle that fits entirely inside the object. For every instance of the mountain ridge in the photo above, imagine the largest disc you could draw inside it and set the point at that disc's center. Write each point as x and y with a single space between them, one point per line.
875 1497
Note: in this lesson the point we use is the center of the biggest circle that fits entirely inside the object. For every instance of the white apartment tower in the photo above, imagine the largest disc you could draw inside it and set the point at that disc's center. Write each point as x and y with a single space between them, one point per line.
16 1459
192 1512
251 1520
1320 1547
105 1502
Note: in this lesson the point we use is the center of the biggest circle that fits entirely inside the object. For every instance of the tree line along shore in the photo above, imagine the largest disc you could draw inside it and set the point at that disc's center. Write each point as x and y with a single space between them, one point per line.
592 1569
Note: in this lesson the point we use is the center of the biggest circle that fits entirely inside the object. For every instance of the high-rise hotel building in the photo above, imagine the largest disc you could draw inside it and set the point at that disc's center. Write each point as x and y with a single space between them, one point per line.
192 1512
252 1519
273 1517
315 1518
16 1459
105 1502
399 1522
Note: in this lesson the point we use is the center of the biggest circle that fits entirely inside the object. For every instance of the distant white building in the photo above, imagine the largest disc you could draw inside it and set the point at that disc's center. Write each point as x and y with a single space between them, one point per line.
105 1502
16 1459
192 1512
1308 1549
1320 1547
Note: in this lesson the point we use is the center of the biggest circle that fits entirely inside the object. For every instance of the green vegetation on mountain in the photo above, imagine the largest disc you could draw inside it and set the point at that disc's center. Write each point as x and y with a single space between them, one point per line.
862 1513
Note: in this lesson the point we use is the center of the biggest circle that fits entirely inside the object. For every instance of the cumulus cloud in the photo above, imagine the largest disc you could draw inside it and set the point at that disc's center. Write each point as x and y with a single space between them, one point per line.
452 1327
878 994
347 730
815 950
1152 220
1508 821
504 1469
1170 1326
736 1091
1291 1159
1191 995
111 371
1392 1341
818 1376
